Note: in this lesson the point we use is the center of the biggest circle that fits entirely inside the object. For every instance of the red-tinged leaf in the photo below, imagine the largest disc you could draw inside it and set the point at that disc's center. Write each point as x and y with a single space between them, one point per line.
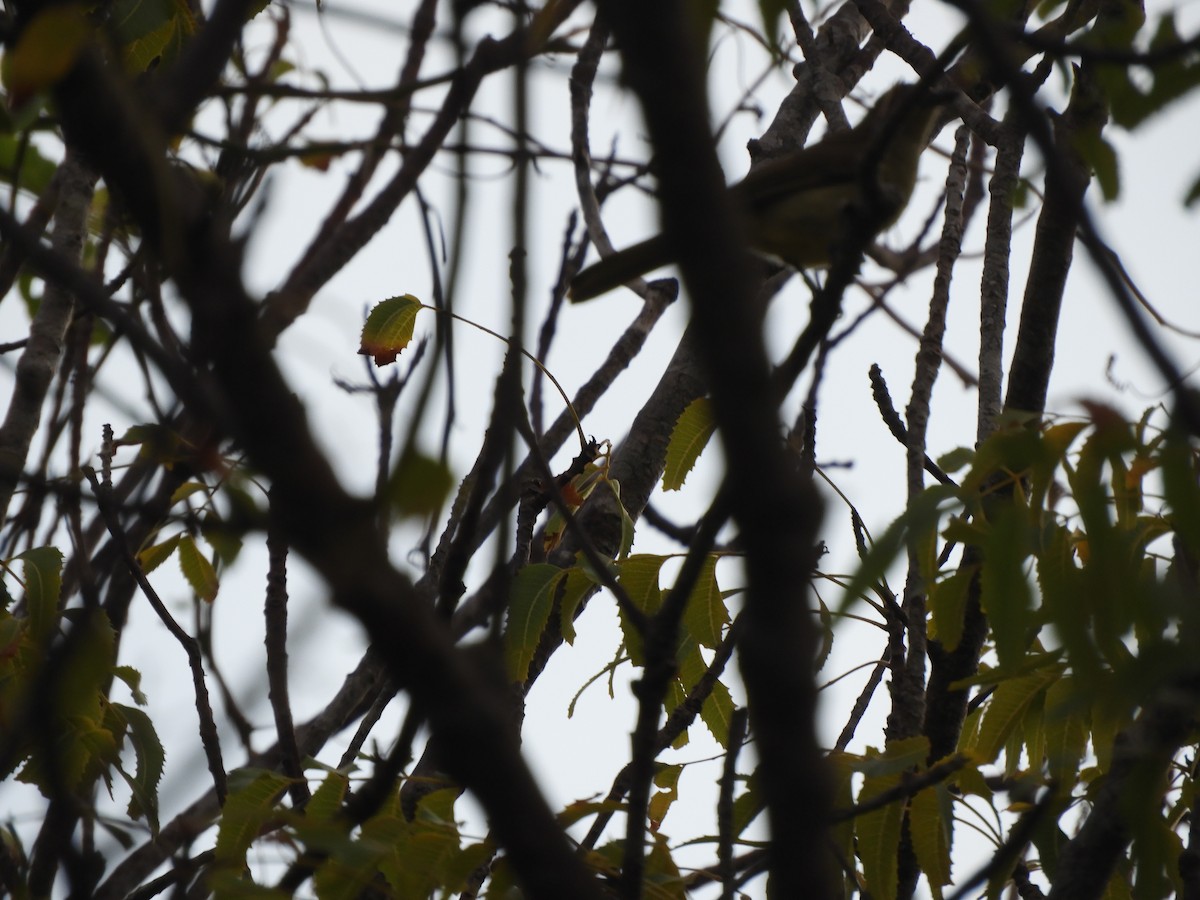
389 328
198 571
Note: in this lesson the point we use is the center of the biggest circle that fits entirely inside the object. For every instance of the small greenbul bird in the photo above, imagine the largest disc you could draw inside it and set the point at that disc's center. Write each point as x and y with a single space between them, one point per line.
801 207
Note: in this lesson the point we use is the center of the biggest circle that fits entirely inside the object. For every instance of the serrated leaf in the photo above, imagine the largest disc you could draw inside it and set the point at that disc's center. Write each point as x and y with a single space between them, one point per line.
878 834
1004 590
533 591
133 680
577 586
691 434
948 606
717 713
151 558
638 575
1007 707
150 757
197 570
931 823
667 779
706 615
253 794
389 328
326 800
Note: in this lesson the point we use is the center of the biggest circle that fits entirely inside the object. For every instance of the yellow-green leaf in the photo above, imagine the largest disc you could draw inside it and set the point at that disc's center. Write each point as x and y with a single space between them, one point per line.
152 557
389 328
691 434
46 50
198 571
931 818
706 615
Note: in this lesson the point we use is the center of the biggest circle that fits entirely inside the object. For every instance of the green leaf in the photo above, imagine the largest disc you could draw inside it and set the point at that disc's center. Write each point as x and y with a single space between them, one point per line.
1007 707
253 794
43 583
577 586
151 32
533 591
326 800
948 606
133 680
389 328
691 434
706 616
1067 717
198 571
1004 590
667 779
923 514
151 558
638 575
419 485
150 756
931 823
35 170
878 835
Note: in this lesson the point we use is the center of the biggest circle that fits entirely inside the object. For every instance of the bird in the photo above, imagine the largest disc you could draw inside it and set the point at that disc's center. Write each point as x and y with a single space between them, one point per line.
801 207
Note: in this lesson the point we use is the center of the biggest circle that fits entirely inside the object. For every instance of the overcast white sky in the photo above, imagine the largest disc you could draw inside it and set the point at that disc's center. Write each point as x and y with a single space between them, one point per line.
578 758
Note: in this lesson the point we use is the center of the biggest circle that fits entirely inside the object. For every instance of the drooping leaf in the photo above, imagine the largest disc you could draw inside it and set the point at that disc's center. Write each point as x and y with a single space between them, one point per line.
199 572
1007 707
666 779
638 575
43 582
576 588
931 823
706 615
533 591
150 756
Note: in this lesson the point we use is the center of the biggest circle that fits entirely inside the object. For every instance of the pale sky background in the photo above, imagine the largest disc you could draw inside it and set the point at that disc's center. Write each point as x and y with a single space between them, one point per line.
578 758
